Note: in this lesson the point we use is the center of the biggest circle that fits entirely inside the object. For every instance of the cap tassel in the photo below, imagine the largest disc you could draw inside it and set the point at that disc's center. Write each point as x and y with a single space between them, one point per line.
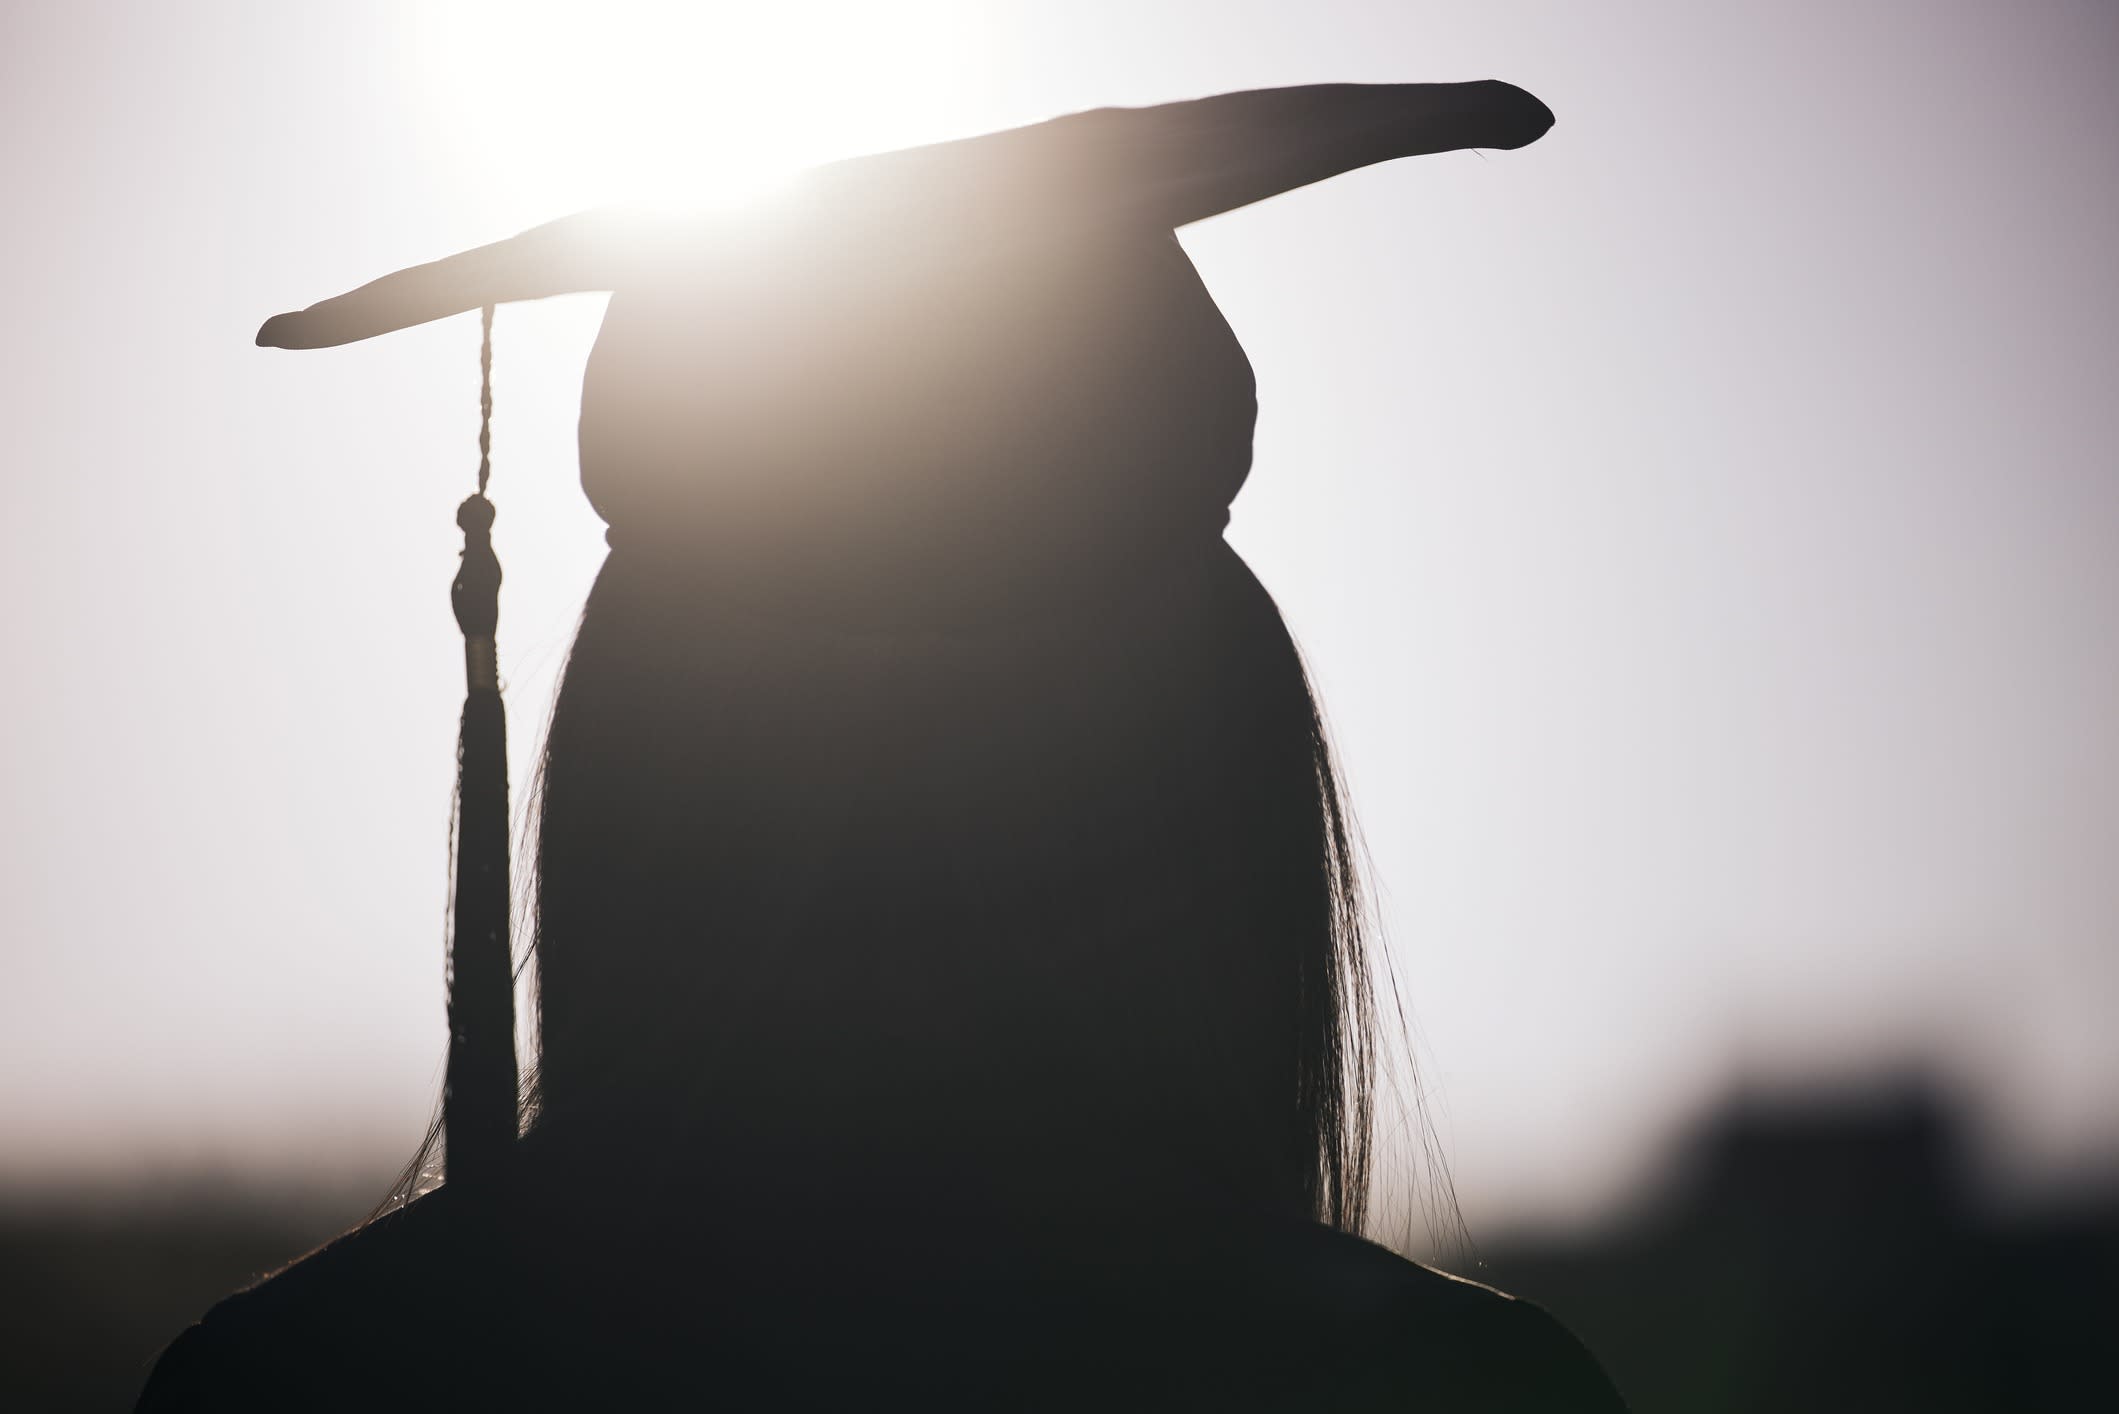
480 1097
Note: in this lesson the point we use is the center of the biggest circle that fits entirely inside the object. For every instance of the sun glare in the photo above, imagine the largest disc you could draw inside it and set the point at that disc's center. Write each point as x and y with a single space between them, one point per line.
680 104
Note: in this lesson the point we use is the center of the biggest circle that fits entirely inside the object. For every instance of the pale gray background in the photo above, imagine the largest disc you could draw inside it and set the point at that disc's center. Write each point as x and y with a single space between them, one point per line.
1704 527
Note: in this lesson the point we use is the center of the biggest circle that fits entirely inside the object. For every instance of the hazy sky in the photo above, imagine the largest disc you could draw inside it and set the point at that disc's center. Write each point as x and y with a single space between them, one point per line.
1704 528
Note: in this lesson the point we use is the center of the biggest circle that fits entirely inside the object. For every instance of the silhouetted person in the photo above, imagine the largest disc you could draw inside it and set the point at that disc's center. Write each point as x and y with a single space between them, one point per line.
950 987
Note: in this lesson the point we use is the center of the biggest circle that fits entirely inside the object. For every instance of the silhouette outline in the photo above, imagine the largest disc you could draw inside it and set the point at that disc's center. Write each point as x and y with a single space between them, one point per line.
951 990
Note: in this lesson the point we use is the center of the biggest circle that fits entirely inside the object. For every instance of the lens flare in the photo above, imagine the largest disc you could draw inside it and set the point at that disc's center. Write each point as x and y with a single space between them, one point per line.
681 104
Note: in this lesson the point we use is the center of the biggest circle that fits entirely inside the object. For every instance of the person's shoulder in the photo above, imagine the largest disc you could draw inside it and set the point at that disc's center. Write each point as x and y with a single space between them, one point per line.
324 1330
1454 1343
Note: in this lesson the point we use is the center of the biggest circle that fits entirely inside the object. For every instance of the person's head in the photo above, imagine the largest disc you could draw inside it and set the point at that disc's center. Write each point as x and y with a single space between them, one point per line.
1059 904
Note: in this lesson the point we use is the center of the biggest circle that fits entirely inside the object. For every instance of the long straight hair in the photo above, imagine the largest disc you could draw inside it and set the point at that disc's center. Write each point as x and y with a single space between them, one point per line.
1065 901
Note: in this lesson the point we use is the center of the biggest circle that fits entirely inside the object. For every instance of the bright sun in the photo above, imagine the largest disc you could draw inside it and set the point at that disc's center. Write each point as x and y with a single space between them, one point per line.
559 105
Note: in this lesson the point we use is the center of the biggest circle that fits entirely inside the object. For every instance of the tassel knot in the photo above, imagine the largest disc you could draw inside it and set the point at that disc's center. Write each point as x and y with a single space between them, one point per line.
475 592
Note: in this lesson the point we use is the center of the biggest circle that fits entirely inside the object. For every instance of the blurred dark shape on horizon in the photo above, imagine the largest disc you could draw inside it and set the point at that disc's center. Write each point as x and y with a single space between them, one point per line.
1823 1252
1833 1251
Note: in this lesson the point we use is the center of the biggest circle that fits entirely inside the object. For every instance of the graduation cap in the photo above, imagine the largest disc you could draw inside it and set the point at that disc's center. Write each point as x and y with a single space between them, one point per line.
949 385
